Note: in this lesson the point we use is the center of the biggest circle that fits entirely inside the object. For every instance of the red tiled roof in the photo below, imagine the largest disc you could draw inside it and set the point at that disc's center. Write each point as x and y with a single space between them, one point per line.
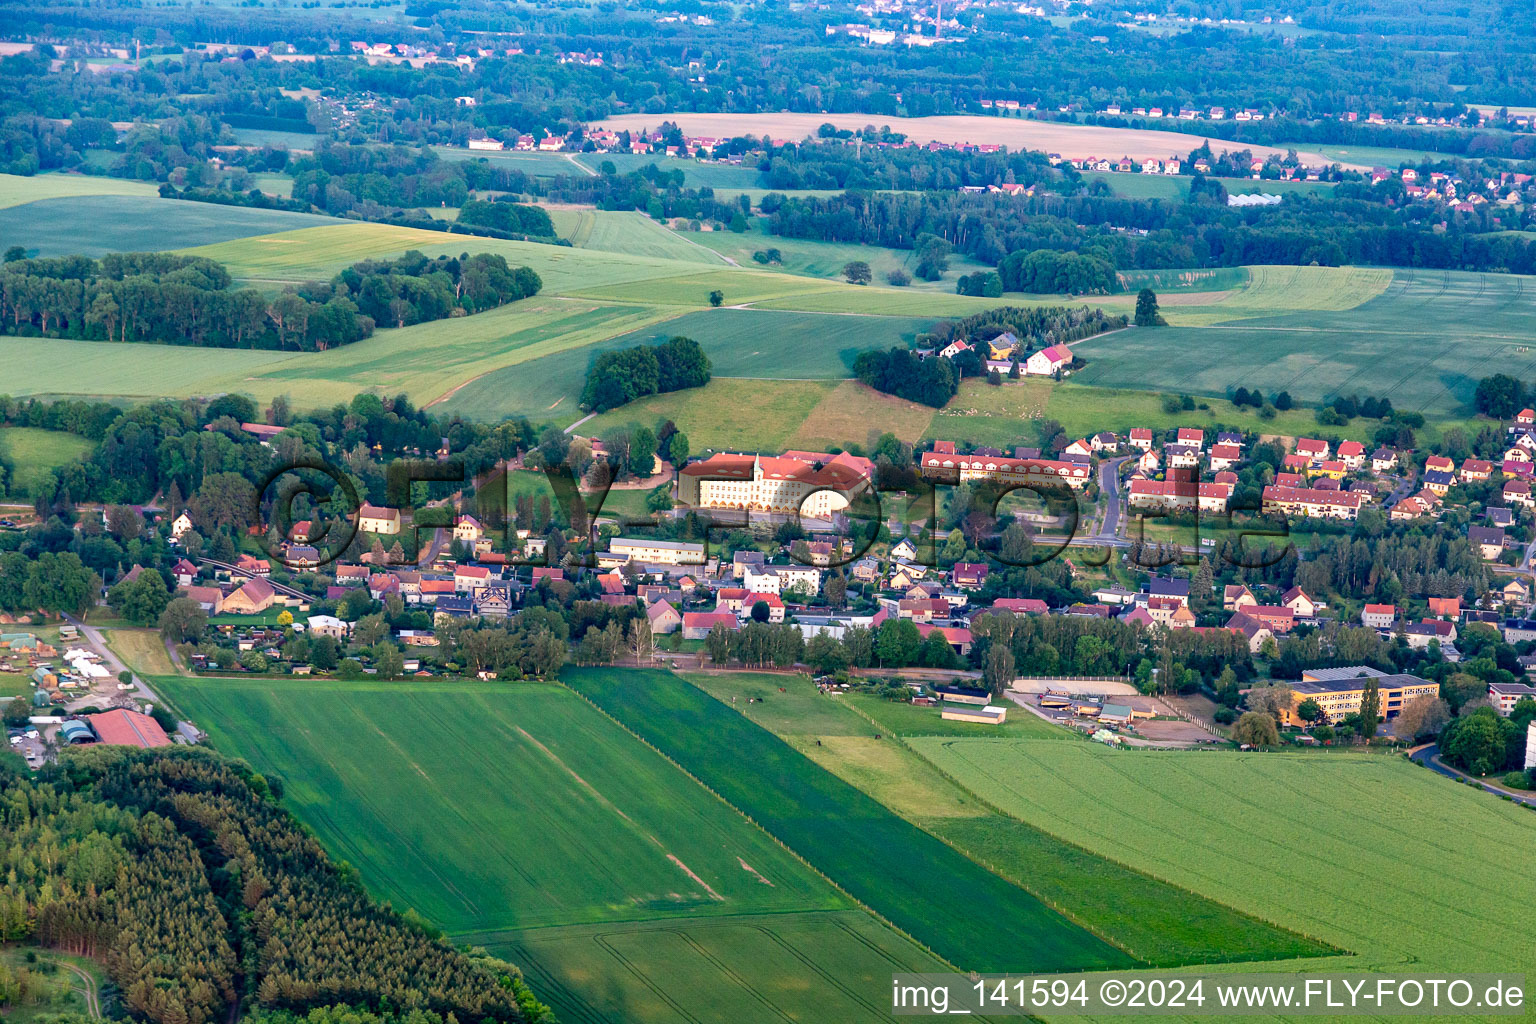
128 729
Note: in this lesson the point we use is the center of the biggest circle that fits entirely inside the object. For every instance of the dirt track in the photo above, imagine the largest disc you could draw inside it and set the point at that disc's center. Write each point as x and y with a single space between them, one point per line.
1017 133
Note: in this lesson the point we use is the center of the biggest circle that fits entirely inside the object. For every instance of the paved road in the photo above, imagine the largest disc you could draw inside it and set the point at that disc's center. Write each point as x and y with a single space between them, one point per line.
1430 754
113 662
1109 486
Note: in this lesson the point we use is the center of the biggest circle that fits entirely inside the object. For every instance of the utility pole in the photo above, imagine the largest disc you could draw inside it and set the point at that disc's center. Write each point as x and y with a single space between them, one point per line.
938 19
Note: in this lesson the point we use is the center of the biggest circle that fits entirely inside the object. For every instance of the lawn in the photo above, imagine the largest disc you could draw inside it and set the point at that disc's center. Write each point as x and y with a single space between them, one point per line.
1156 922
1369 853
969 916
91 225
33 452
16 189
15 684
516 817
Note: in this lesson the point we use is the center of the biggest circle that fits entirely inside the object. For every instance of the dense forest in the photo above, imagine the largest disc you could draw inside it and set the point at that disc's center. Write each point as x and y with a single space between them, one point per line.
187 300
619 377
179 872
779 57
1143 233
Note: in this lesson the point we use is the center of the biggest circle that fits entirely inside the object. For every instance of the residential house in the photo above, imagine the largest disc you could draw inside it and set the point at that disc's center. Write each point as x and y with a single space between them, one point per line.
696 625
1192 436
1489 540
468 578
180 526
1352 454
255 597
1141 437
1378 616
1421 634
664 618
1020 605
1312 448
209 599
1315 502
1299 602
1445 607
1279 618
968 575
1476 470
329 625
1237 596
1383 460
184 572
1048 361
467 529
1225 456
1252 629
377 519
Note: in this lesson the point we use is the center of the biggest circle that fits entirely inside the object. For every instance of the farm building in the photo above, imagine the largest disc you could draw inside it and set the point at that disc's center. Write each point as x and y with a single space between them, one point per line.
75 732
989 714
124 728
964 694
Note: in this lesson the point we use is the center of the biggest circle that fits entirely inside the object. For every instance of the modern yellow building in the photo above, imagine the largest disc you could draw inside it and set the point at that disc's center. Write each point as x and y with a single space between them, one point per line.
1339 691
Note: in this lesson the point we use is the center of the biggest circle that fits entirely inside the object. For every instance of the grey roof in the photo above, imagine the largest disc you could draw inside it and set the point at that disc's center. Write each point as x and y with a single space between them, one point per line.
1436 476
1165 586
1347 672
1485 535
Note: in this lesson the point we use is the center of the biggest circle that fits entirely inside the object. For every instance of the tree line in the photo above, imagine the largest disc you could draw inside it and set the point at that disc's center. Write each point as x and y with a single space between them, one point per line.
187 300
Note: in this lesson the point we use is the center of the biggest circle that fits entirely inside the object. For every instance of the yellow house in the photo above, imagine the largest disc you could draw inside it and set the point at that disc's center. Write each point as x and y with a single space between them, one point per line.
1002 346
1339 694
1332 469
376 519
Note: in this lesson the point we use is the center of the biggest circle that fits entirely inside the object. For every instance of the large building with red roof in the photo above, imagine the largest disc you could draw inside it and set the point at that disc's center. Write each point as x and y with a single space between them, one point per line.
815 484
125 728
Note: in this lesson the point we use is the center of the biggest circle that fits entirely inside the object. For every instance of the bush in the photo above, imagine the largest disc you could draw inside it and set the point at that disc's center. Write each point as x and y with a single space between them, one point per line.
1518 780
1225 716
898 278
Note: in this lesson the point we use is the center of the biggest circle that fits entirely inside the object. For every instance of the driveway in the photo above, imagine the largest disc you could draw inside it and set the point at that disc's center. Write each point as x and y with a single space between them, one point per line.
110 658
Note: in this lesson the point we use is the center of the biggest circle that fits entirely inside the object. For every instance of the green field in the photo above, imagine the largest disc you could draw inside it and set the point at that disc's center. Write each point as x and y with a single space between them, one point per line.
695 173
852 736
631 233
276 139
33 452
518 818
539 165
1392 344
91 225
826 260
15 189
1366 852
974 919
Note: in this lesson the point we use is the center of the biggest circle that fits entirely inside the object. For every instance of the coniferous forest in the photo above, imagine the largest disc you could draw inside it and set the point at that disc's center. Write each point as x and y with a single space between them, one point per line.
203 898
